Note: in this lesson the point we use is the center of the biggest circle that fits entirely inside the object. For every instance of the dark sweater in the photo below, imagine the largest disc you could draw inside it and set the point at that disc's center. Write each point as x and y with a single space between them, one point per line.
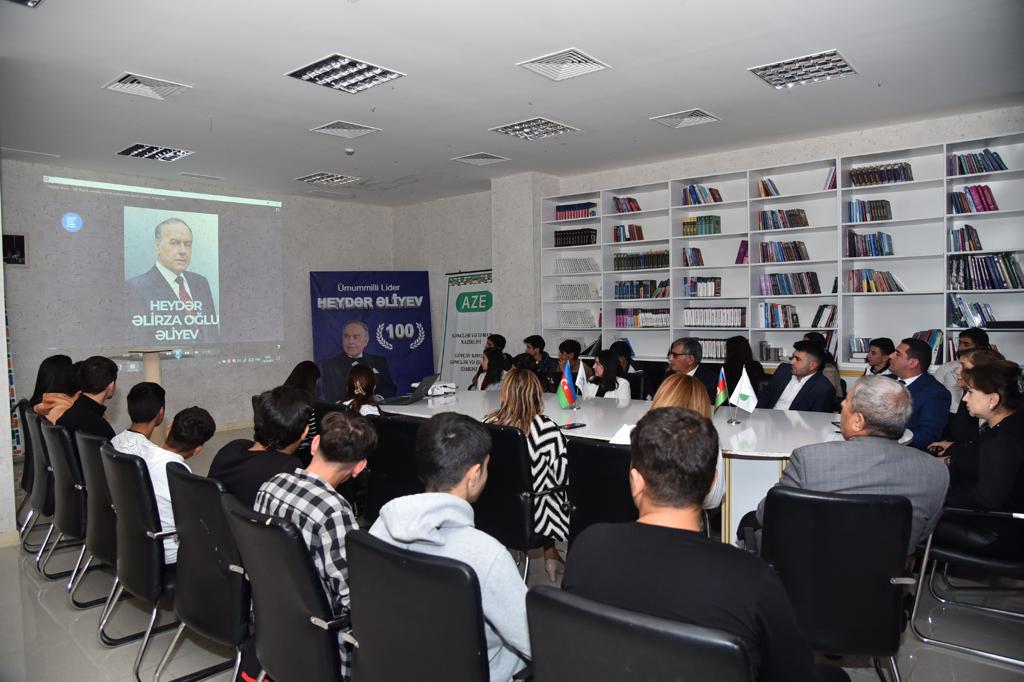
86 416
243 472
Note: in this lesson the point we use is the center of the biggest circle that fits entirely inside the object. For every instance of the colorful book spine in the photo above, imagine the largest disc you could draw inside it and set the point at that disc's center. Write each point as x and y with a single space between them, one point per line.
580 237
860 211
647 260
985 161
884 174
585 209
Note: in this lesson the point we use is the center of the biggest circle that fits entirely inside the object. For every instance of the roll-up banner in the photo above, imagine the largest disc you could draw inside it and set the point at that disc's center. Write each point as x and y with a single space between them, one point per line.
469 318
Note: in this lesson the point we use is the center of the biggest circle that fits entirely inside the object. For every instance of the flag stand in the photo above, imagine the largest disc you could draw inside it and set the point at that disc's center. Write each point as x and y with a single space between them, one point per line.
733 420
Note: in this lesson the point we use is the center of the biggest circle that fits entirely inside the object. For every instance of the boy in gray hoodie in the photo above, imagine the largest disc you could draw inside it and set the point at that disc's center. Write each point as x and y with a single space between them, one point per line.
452 453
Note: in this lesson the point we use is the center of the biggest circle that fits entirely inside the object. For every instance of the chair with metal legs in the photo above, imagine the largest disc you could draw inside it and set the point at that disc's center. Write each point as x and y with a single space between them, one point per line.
22 408
140 548
41 498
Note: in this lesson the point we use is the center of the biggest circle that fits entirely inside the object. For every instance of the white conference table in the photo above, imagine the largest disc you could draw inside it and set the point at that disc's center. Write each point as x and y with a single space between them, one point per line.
755 450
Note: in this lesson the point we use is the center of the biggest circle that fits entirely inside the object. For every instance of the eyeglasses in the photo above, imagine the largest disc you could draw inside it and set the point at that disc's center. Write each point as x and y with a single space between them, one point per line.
672 354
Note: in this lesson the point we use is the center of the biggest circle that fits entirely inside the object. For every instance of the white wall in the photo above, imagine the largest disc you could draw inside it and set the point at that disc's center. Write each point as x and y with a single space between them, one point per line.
7 520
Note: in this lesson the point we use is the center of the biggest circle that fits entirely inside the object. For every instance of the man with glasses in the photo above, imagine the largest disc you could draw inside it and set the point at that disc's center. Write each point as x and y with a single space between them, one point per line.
684 357
800 385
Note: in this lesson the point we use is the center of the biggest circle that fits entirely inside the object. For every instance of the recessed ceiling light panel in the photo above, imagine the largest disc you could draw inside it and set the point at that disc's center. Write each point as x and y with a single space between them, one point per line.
327 179
480 159
28 3
200 176
569 63
145 86
155 153
814 68
684 119
344 129
339 72
535 129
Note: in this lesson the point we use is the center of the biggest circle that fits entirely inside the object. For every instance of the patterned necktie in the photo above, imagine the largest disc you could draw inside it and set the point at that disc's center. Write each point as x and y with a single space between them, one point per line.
182 291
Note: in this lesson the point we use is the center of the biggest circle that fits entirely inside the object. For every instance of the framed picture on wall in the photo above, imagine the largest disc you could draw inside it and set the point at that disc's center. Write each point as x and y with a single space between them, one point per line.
14 250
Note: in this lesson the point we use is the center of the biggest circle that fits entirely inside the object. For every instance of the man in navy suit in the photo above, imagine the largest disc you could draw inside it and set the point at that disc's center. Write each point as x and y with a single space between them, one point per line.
684 357
909 365
354 339
174 303
800 385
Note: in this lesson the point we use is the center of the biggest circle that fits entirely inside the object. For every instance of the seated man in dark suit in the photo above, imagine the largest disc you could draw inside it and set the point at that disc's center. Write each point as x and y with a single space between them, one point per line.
909 365
684 357
800 385
97 377
355 337
663 566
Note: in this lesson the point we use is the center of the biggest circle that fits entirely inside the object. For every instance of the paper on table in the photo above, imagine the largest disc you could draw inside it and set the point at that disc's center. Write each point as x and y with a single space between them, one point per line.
621 436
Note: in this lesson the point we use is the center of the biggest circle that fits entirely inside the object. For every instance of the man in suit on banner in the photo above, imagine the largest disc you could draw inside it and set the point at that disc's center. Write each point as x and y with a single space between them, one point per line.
799 384
354 339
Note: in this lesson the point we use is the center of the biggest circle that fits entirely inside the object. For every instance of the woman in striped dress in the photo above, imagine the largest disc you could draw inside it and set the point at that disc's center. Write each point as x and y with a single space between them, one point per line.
522 406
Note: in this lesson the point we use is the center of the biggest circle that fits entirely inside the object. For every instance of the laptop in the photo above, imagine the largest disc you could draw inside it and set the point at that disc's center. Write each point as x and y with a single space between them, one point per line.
416 395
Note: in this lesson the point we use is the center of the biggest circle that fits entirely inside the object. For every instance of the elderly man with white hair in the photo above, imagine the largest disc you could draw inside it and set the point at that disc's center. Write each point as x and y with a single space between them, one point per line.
869 460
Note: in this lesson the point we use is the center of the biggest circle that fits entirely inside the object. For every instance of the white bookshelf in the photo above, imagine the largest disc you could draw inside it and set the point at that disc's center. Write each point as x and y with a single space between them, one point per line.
920 229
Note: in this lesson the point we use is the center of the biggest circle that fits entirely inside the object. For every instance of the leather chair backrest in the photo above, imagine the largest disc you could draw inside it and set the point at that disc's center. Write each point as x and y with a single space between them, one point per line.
572 638
598 484
101 522
505 508
140 559
416 616
209 597
836 554
41 499
393 464
637 385
286 593
69 511
27 469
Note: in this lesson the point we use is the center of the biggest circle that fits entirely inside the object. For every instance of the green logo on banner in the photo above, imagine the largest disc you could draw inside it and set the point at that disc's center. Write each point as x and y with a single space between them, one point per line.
474 302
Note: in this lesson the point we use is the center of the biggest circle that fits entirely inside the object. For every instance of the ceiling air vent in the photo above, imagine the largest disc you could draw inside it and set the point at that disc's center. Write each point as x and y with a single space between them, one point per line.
558 66
814 68
344 129
155 153
200 176
145 86
339 72
480 159
535 129
327 179
684 119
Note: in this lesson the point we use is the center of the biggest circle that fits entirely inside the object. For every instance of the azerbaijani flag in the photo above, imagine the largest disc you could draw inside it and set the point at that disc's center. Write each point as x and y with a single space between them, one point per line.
722 392
566 390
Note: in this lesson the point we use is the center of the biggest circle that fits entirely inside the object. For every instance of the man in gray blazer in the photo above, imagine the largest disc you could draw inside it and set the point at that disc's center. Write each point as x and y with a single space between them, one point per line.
869 460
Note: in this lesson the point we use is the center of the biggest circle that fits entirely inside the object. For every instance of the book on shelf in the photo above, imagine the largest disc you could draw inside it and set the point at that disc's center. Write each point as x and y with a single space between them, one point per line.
701 287
835 284
866 280
883 174
861 211
990 271
783 252
697 225
641 288
766 188
626 204
576 291
824 316
778 315
973 199
789 283
579 237
830 179
576 266
694 195
859 346
781 219
647 260
715 317
985 161
583 209
965 238
575 319
691 257
714 349
771 353
743 253
628 233
933 337
642 318
868 245
973 314
592 349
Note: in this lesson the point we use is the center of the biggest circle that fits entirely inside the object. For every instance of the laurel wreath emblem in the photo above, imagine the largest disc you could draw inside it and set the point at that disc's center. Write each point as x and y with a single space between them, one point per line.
420 336
380 338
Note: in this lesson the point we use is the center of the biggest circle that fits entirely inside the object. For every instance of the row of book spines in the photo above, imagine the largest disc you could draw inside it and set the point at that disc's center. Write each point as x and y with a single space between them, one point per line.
789 283
985 161
642 288
576 266
640 261
699 221
972 314
778 315
579 237
626 204
825 316
964 239
861 211
694 195
701 287
628 233
766 188
638 318
783 252
586 209
575 318
692 257
881 174
973 199
859 245
867 280
698 230
715 317
575 291
781 219
859 344
933 337
714 349
994 271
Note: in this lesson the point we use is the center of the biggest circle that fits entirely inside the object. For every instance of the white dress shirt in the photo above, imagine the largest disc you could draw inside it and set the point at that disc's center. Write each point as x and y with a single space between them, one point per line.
621 391
790 392
172 280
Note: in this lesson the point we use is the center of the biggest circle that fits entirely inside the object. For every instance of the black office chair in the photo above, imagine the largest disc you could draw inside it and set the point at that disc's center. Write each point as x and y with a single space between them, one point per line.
598 485
637 385
140 547
41 499
100 520
572 638
415 616
296 632
392 466
842 561
1008 565
21 408
211 594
